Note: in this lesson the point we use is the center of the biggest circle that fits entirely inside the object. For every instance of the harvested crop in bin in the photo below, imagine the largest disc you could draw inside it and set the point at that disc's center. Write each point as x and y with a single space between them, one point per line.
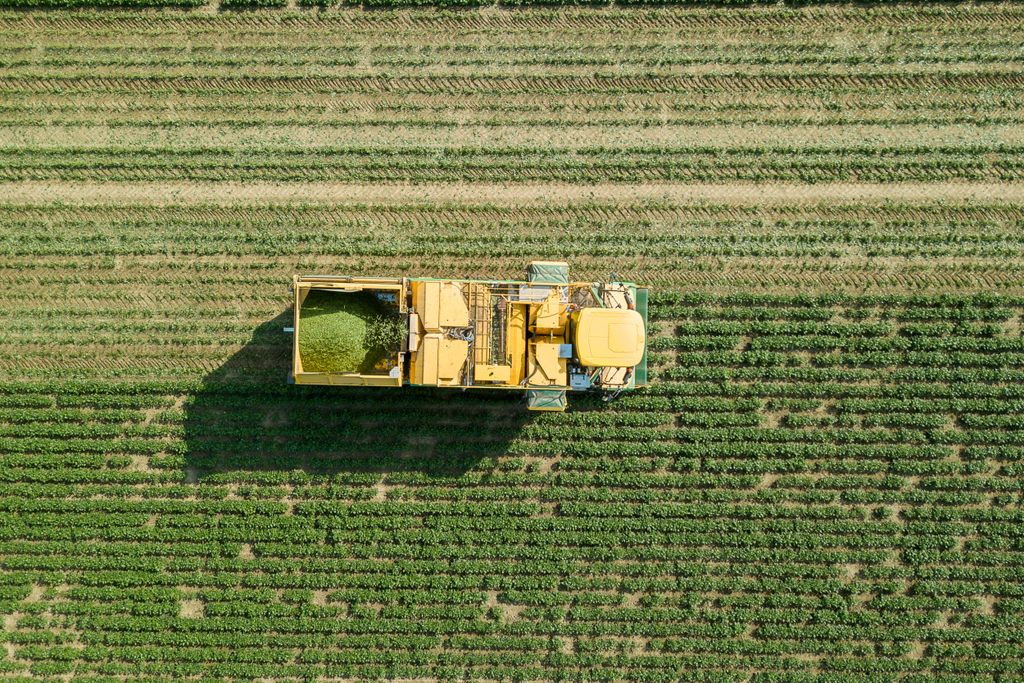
346 332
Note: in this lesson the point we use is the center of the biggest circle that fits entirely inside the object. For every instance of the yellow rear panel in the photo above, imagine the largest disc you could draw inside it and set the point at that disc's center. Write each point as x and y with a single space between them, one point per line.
439 360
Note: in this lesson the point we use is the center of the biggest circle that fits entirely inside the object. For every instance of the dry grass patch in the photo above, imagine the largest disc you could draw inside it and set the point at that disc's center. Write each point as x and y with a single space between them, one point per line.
192 609
917 650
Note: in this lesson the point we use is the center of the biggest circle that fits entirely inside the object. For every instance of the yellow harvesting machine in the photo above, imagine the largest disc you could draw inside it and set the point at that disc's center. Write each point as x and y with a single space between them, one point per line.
544 336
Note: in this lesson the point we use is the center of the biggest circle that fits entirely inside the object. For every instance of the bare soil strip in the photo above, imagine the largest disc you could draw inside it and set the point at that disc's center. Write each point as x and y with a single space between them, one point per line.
161 194
312 137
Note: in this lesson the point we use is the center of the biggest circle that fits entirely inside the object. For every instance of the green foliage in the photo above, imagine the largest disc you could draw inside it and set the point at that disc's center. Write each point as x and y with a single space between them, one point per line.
471 163
341 332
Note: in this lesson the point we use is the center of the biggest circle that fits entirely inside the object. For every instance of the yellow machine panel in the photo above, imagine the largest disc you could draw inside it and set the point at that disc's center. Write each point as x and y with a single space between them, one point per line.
451 359
551 316
440 304
493 373
517 344
547 369
439 360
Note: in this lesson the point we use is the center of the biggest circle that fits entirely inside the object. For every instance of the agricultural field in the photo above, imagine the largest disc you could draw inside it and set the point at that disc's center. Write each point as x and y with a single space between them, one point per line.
823 483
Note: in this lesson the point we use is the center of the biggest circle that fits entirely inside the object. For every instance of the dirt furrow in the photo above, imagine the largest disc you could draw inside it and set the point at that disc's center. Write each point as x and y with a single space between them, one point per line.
509 194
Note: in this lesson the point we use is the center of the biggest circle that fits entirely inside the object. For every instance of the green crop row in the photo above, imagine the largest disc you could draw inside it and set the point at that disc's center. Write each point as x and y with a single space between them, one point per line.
489 165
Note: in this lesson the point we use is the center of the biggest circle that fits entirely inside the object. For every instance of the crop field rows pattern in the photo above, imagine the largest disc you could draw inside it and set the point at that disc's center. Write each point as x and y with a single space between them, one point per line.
824 483
816 485
842 95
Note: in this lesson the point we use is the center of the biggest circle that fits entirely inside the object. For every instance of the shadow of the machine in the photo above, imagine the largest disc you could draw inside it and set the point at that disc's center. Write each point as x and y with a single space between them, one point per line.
246 416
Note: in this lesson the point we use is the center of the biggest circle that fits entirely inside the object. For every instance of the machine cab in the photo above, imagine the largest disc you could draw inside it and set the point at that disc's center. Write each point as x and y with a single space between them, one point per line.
609 337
